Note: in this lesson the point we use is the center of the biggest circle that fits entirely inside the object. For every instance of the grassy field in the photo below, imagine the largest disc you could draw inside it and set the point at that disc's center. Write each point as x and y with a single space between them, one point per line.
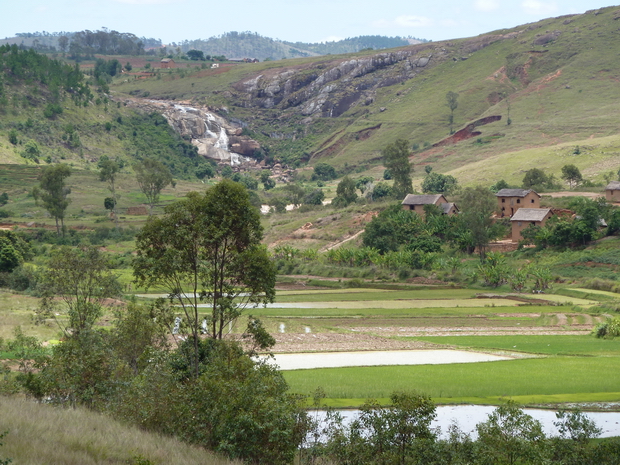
39 433
569 378
533 344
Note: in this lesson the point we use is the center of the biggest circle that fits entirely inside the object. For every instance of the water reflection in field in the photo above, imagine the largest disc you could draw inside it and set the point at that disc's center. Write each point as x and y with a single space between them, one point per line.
468 416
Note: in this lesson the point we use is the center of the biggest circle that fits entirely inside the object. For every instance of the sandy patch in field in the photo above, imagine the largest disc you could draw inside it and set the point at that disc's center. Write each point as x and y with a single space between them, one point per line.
380 358
336 342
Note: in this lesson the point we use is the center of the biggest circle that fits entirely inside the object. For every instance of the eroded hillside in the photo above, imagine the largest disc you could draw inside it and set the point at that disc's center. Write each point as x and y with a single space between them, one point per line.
551 82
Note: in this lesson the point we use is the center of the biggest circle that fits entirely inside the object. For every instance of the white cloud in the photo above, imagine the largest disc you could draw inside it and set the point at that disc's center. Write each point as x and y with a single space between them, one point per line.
413 21
486 5
408 21
537 7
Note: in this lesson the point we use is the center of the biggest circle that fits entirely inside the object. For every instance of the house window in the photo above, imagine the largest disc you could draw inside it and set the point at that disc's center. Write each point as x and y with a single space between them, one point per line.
533 223
518 200
519 223
532 201
503 200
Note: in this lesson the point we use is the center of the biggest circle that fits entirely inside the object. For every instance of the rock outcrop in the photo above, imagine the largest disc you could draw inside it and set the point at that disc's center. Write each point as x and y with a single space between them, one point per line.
213 135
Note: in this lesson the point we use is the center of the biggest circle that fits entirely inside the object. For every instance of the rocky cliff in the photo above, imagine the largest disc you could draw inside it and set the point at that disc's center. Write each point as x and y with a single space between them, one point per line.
214 136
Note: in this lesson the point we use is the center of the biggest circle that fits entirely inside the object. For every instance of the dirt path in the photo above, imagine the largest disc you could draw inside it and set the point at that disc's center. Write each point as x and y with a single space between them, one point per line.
339 243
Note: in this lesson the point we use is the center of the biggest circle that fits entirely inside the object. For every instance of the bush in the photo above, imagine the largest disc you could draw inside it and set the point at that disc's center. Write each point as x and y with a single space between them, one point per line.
324 172
315 197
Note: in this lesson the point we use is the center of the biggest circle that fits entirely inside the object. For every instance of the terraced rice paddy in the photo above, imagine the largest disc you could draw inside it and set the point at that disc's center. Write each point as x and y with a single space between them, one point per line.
548 353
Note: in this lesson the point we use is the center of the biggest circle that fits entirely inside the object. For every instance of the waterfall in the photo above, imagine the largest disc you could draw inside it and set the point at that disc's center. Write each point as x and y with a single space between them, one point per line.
222 141
208 133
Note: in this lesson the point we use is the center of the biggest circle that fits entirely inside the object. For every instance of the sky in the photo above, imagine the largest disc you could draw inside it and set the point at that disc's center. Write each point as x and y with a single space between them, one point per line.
290 20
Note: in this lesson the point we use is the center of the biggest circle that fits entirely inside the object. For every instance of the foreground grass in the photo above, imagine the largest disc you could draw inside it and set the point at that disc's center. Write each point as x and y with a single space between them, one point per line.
44 434
566 377
545 345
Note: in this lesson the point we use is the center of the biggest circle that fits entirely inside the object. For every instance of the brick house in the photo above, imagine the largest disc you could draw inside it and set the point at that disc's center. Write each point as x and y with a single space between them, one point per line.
524 217
511 200
415 203
166 63
612 191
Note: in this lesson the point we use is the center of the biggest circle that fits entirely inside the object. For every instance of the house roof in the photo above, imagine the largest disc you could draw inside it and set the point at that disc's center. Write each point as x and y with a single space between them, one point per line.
613 186
167 60
447 207
530 214
515 192
413 199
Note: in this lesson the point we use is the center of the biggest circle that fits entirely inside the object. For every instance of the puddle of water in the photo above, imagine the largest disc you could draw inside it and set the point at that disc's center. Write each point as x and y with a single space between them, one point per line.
307 330
282 328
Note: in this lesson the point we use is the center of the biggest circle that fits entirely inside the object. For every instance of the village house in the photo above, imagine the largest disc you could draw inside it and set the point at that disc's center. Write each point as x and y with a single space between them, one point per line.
167 63
416 203
525 217
612 191
511 200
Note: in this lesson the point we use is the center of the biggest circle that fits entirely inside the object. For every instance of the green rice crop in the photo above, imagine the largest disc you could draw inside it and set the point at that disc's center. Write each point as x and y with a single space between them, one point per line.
524 377
374 294
461 311
535 344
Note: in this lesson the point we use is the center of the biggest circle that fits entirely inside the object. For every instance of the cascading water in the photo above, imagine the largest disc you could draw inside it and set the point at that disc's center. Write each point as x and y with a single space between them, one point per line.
208 133
222 140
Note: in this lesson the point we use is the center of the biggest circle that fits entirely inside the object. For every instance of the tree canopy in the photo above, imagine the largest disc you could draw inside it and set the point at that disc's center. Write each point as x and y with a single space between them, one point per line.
477 205
152 176
572 175
436 183
206 250
54 193
396 159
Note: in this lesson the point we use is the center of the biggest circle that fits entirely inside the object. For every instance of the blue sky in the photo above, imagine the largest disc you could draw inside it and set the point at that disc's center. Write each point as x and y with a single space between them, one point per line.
292 20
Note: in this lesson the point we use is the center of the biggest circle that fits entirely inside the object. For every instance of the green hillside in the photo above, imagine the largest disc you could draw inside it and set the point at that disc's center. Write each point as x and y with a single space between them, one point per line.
556 78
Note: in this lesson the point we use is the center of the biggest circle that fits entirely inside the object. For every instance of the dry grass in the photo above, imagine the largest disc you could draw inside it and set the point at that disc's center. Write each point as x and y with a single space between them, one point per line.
45 434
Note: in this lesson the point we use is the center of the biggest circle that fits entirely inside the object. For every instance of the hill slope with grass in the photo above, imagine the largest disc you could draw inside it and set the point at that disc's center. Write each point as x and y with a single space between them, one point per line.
551 82
39 433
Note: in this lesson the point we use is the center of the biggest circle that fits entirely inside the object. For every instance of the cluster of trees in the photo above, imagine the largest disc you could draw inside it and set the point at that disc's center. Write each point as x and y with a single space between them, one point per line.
152 176
593 219
27 66
205 252
402 434
252 44
437 183
236 44
103 42
353 44
395 228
